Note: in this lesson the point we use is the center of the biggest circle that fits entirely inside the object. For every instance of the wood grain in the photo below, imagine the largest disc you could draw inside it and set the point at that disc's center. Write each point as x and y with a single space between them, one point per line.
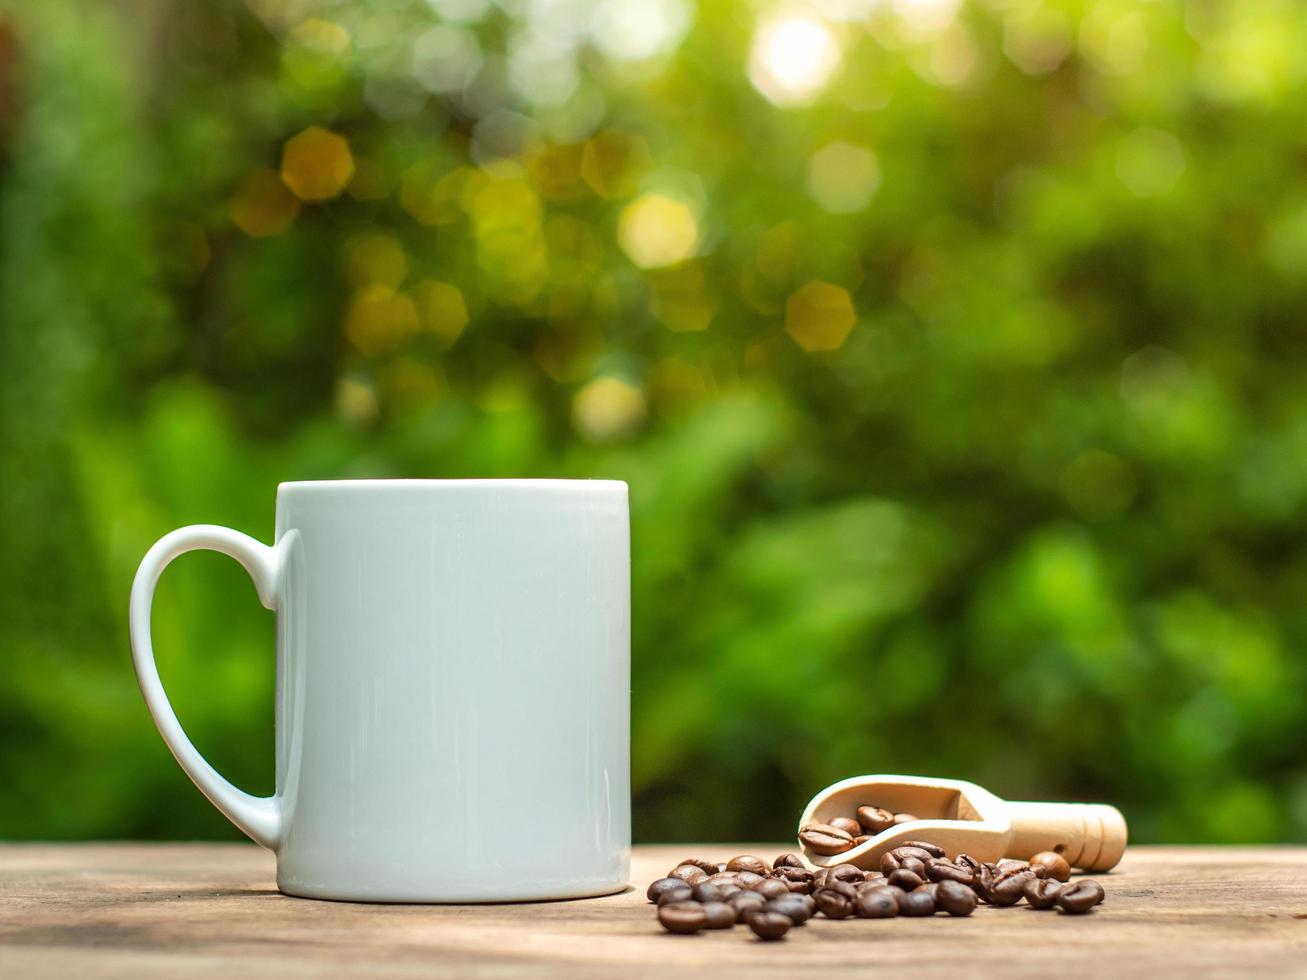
212 910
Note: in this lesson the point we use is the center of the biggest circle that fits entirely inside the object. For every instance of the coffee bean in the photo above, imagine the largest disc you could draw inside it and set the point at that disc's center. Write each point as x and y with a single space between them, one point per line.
901 818
848 825
793 907
932 850
724 878
894 861
718 915
876 903
833 903
769 926
873 819
707 891
847 872
955 898
682 917
905 879
656 888
1011 864
747 879
788 861
941 870
967 862
682 894
744 902
688 873
826 840
1041 893
1052 862
819 878
798 880
917 903
1079 897
747 862
1010 888
707 867
874 878
770 888
984 881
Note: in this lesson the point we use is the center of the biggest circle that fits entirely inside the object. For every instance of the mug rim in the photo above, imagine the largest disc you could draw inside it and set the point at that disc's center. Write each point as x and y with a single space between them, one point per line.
461 484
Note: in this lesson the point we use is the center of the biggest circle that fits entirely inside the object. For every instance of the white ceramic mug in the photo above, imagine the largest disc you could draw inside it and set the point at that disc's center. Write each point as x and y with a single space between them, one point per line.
453 688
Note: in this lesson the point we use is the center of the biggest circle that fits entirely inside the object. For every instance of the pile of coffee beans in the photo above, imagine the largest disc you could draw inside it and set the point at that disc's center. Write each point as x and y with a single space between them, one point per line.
915 879
845 833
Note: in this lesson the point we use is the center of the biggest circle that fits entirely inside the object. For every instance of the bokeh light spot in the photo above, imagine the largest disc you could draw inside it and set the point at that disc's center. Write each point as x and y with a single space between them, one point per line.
633 30
376 258
262 206
1149 162
842 177
612 163
819 316
379 320
656 230
793 56
608 409
316 164
443 310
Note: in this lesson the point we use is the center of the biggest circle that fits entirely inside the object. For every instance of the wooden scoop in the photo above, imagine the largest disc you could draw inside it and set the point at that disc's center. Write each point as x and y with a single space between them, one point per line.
962 818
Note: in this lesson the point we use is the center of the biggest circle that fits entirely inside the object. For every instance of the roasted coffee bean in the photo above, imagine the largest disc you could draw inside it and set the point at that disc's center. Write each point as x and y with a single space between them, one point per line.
917 903
874 878
688 873
718 915
1079 897
848 825
1010 864
1041 893
747 879
876 903
848 873
905 879
707 891
745 902
955 898
819 878
707 867
1053 863
836 900
682 917
893 861
983 882
769 926
823 839
873 819
901 818
1010 888
941 870
793 907
967 862
656 888
861 839
770 888
798 880
747 862
724 878
788 861
683 894
932 850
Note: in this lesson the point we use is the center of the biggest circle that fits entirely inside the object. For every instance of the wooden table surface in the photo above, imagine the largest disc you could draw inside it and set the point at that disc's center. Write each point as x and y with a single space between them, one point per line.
202 910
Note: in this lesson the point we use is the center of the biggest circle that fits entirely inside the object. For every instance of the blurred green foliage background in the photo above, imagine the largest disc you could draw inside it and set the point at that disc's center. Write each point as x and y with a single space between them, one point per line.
954 353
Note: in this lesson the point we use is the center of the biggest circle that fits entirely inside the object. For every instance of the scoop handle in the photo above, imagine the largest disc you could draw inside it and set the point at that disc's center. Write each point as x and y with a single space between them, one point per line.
1091 836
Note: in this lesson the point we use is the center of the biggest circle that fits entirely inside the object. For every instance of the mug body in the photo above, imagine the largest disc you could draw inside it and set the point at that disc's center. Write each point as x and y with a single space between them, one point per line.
453 683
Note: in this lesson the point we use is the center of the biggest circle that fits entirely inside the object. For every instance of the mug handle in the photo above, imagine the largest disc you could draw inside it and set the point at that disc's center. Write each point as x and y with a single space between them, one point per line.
258 816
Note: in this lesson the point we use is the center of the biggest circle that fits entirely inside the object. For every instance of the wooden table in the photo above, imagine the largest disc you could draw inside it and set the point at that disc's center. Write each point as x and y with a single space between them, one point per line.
202 910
